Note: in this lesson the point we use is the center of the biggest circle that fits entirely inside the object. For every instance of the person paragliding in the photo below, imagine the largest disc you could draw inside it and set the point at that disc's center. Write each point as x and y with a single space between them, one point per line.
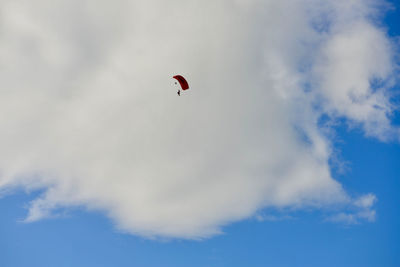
183 83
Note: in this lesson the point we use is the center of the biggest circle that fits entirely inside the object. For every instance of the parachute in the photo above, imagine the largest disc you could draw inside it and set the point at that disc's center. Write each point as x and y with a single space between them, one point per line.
182 81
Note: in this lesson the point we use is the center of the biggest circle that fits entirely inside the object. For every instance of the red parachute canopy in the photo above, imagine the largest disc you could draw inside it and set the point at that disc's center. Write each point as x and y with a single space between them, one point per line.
182 81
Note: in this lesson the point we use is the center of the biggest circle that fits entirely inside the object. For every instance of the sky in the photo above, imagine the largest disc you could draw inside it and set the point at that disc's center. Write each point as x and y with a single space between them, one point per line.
283 152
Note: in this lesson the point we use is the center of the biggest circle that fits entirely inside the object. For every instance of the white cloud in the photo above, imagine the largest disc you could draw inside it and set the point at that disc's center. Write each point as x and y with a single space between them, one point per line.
353 218
273 218
349 63
89 111
361 210
366 201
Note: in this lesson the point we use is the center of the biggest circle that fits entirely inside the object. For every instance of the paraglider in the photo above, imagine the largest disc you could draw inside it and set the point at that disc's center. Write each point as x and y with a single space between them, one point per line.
182 81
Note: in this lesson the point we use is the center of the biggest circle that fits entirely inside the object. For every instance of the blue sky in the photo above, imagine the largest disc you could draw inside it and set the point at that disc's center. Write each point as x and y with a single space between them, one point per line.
83 235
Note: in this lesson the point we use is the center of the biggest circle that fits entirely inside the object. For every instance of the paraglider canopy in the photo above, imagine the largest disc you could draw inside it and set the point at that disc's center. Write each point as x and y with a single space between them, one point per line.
182 81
